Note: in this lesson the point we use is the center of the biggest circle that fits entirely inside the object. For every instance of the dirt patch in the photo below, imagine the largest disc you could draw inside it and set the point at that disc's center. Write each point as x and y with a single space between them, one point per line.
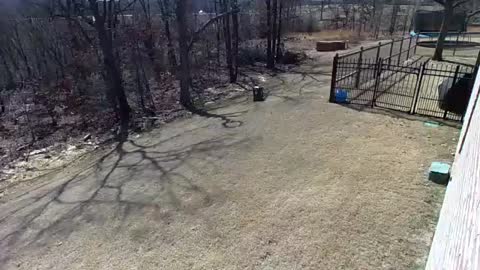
40 163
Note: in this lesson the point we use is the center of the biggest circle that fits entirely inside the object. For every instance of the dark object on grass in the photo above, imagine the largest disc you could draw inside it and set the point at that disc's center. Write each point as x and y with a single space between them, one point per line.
258 94
292 58
257 54
328 46
251 55
455 98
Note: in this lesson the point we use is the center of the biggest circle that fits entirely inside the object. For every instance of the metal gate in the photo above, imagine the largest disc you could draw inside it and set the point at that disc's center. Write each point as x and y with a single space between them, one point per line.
396 87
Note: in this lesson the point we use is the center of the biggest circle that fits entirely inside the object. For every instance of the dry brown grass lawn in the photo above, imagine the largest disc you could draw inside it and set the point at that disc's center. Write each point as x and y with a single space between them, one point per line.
291 183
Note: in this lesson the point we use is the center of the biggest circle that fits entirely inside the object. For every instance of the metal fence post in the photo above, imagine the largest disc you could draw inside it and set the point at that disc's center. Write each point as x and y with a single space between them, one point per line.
378 69
391 51
409 47
334 79
378 51
400 51
416 94
378 55
359 68
455 77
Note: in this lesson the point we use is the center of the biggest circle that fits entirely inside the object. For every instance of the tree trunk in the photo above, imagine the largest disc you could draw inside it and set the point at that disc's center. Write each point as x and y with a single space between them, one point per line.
149 42
447 16
138 79
359 27
21 51
270 60
217 25
184 70
228 41
279 32
322 6
413 11
274 29
172 59
393 19
378 18
148 92
353 18
10 82
13 60
115 82
236 40
113 72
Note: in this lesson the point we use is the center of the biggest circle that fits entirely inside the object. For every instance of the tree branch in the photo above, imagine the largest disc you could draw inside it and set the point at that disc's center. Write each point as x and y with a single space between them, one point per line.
441 2
129 5
473 13
207 24
460 3
77 23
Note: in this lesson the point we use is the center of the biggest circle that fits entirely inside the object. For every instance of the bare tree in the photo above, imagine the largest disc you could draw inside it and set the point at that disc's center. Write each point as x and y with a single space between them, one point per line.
228 40
273 31
278 50
184 70
149 41
165 10
270 59
105 23
377 17
274 27
186 45
393 18
236 40
449 7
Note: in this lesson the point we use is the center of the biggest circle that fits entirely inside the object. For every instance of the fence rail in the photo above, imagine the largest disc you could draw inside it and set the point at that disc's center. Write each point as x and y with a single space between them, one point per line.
394 51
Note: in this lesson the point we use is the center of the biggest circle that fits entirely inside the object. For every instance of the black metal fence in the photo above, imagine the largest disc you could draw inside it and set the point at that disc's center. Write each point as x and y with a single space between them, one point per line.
414 85
394 51
356 65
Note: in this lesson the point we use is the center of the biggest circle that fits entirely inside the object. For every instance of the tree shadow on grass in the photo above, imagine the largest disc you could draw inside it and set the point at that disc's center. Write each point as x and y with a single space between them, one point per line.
227 122
130 179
